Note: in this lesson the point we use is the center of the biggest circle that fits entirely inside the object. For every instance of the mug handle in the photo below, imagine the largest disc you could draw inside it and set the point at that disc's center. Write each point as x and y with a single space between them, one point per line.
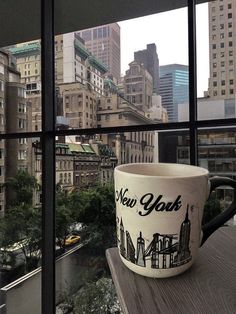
220 219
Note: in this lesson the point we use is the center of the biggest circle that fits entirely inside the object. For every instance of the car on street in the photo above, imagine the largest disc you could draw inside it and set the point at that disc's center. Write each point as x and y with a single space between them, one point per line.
72 239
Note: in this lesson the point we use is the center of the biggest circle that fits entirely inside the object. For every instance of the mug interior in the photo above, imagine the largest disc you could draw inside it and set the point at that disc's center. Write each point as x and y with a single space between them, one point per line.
162 170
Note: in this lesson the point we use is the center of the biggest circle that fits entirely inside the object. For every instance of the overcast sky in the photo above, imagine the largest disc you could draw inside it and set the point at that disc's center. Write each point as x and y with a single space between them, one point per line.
169 32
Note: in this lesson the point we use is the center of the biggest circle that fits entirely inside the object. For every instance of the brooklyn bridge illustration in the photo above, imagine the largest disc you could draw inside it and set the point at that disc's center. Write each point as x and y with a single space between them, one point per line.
164 251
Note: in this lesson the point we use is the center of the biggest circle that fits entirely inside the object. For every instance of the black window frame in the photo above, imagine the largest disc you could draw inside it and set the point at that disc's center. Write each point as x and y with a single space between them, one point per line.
49 133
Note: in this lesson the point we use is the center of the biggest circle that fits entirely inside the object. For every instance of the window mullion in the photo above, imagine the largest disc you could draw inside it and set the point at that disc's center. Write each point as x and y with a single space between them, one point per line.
192 80
48 156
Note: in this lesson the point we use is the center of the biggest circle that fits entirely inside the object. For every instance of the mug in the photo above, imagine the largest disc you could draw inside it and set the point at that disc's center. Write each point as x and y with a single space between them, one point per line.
159 210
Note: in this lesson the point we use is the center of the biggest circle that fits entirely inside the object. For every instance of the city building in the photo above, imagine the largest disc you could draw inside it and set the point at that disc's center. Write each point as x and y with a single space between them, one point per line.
222 42
79 105
138 86
87 165
114 110
28 58
174 88
108 161
15 116
104 43
149 59
209 108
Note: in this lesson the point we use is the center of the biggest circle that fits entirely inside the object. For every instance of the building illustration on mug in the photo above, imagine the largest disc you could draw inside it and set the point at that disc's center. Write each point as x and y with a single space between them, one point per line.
165 250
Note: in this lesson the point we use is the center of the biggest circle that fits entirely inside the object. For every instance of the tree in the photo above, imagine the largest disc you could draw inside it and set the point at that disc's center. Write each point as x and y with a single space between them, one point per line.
96 297
22 221
63 215
23 185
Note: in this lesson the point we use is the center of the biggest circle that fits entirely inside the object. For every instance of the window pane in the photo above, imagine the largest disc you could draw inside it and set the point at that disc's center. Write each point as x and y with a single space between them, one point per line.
20 225
216 74
122 73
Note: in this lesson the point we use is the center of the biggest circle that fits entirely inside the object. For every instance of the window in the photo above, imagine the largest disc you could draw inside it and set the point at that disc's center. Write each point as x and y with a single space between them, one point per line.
229 6
222 35
230 44
1 86
1 68
229 15
222 82
119 133
231 82
222 45
221 26
230 24
214 83
223 92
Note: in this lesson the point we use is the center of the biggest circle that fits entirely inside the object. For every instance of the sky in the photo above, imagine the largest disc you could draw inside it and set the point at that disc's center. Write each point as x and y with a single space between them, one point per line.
169 32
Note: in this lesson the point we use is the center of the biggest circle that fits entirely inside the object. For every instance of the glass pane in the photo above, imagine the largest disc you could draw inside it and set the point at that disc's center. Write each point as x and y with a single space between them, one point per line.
217 153
20 225
216 57
85 208
123 73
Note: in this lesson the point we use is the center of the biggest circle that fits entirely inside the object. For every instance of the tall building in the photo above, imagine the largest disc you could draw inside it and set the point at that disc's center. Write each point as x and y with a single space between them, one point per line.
174 88
222 43
138 86
104 43
149 58
15 113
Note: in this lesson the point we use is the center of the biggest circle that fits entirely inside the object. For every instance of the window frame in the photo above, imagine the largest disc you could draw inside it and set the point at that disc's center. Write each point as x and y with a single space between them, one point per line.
49 133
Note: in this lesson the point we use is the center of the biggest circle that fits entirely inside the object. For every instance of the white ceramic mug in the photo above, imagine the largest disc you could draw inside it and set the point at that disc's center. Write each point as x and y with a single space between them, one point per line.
159 210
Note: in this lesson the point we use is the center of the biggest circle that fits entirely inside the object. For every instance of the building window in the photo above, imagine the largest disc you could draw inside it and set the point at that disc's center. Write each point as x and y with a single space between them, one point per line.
221 26
222 63
230 24
231 62
223 92
230 44
229 6
214 83
230 34
214 46
229 15
222 54
221 7
1 86
222 45
230 53
1 68
222 35
222 82
231 82
231 91
214 74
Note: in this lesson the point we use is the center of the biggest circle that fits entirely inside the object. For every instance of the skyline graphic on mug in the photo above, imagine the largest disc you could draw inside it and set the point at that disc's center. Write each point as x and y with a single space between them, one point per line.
164 251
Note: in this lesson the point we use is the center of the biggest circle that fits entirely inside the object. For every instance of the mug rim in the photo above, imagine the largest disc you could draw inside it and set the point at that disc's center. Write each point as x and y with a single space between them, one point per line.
199 171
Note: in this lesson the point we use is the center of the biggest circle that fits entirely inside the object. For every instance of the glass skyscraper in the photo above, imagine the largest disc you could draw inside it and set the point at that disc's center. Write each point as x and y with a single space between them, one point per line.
174 85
